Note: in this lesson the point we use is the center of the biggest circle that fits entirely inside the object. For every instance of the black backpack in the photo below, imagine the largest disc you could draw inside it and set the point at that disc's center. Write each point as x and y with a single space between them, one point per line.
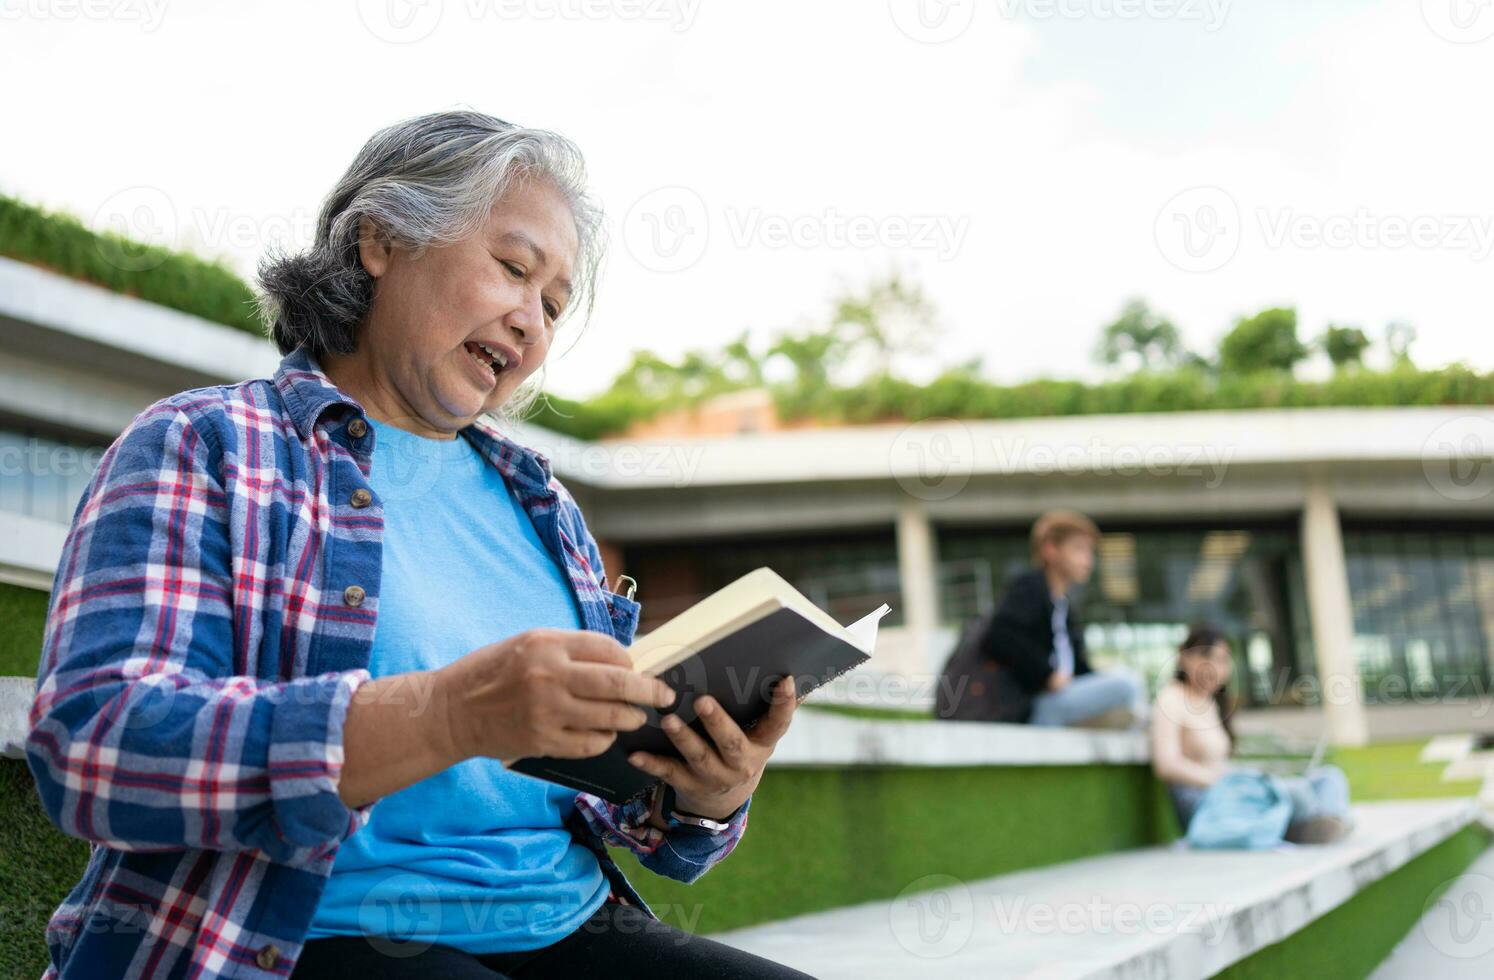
973 687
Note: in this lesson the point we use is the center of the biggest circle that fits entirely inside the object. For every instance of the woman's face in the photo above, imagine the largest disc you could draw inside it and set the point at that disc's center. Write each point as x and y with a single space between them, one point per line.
1208 669
453 332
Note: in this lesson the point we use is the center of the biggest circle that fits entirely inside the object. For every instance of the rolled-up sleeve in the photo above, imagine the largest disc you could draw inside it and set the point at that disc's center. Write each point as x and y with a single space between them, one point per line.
683 855
144 733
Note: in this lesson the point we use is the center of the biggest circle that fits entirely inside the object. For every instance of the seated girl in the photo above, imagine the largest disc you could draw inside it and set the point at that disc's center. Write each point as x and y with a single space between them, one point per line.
1192 742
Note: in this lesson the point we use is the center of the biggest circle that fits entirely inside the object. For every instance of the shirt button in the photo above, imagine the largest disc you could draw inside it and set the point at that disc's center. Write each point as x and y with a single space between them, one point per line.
267 956
362 498
357 428
353 595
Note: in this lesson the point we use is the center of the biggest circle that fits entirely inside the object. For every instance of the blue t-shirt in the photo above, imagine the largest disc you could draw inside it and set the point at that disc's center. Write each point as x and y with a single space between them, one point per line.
475 857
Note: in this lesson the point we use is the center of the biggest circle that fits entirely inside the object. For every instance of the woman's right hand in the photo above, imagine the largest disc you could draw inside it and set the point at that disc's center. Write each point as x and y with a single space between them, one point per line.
560 693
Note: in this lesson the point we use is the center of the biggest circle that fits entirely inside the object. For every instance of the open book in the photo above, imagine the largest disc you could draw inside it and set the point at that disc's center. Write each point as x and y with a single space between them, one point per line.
734 645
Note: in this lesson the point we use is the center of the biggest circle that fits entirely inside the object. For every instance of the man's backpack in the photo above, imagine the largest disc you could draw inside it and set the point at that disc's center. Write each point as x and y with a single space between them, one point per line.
974 687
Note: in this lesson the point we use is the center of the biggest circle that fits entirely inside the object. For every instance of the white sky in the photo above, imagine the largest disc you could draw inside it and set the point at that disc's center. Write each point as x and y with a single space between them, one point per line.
1037 155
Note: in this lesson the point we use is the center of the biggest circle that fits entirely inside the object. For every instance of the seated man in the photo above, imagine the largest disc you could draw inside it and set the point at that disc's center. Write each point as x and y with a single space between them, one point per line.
1037 641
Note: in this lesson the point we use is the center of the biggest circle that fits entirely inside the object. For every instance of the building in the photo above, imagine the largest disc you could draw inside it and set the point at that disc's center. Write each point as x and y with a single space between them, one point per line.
1350 552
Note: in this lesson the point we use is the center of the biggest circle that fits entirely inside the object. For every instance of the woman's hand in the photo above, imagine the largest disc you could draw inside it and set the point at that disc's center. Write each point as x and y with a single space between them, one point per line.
714 780
561 693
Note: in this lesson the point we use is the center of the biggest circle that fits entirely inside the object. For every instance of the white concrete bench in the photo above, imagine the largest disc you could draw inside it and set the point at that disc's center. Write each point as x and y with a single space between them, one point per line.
824 738
1155 913
15 707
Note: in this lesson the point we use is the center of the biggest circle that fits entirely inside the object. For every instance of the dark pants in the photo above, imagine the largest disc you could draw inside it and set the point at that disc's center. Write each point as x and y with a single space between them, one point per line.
618 942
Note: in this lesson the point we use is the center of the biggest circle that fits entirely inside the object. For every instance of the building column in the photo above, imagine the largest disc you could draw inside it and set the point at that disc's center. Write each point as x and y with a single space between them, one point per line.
1332 617
917 573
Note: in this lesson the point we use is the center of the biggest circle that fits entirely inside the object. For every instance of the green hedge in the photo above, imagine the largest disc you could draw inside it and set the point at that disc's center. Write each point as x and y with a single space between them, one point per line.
819 839
38 866
1356 937
61 243
962 395
23 613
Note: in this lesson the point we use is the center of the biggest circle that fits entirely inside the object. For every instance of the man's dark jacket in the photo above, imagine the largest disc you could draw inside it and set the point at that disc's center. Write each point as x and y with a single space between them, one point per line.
1002 660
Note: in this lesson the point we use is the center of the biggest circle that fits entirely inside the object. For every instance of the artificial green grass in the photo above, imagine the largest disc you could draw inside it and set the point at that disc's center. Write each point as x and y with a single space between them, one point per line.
1393 771
1355 938
38 866
23 613
823 838
181 281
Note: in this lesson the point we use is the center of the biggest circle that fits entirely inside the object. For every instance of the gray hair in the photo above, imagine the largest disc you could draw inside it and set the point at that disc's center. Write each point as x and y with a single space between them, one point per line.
424 182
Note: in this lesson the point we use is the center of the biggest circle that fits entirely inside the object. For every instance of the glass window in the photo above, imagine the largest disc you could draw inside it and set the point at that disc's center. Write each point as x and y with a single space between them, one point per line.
1151 583
43 477
1423 601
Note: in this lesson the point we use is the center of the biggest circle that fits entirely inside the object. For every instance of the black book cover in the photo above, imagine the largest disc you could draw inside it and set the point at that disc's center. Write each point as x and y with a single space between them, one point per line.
738 670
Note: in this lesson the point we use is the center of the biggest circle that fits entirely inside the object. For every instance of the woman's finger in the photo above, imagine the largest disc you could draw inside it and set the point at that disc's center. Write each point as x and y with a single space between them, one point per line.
704 762
731 741
608 716
785 703
672 771
604 682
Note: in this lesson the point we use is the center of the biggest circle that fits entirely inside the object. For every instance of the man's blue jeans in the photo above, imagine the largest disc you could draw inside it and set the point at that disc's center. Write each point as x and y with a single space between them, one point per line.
1086 696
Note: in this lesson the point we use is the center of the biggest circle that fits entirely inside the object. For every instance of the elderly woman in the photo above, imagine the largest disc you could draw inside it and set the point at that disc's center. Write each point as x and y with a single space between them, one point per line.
297 623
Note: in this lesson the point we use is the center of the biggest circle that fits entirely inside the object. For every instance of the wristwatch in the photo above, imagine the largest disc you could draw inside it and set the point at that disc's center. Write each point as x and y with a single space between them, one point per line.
680 820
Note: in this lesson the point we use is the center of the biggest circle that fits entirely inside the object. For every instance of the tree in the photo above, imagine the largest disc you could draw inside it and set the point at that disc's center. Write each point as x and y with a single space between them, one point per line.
1399 336
891 320
1344 346
1264 342
1148 340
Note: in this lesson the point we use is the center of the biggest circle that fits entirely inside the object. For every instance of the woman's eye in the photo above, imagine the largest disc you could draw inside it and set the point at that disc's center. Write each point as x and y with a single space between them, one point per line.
514 270
552 311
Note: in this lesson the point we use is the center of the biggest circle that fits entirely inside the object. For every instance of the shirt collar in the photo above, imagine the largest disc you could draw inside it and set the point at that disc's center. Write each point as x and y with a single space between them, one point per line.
309 393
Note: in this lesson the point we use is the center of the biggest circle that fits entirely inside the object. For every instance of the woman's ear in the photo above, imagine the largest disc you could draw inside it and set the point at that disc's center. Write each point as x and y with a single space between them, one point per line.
374 247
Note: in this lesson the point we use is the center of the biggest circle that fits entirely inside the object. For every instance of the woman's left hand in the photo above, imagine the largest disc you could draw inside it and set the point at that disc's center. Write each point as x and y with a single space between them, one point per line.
714 780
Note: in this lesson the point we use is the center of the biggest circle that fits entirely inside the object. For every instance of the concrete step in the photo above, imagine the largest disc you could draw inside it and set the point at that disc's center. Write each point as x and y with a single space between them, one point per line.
1455 938
1155 912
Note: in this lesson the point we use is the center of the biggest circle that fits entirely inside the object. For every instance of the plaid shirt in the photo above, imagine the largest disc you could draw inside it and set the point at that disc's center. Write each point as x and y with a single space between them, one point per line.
212 615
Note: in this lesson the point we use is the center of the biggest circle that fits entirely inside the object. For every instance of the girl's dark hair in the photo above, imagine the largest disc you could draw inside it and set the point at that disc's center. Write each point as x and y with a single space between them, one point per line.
1205 636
